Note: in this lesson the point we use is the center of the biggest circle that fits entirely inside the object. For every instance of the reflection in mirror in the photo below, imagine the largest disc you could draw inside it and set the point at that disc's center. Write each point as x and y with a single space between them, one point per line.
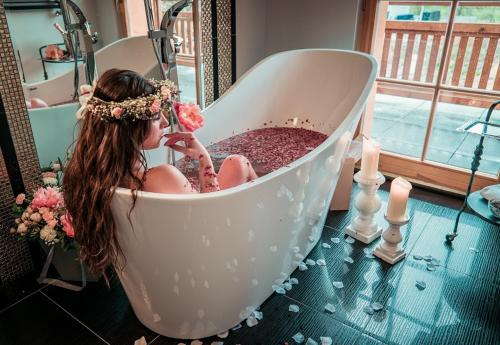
117 38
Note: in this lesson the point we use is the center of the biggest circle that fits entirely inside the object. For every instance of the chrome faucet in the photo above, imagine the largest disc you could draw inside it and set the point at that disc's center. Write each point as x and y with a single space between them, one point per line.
71 32
166 45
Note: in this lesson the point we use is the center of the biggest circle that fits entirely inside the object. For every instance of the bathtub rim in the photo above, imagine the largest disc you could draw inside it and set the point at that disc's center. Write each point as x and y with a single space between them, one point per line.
55 106
357 107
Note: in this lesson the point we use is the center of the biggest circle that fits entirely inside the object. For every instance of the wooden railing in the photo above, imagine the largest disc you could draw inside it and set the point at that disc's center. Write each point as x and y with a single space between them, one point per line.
412 51
184 28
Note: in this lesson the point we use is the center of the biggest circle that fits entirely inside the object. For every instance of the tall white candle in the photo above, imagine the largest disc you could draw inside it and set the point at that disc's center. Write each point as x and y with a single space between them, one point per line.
398 198
369 158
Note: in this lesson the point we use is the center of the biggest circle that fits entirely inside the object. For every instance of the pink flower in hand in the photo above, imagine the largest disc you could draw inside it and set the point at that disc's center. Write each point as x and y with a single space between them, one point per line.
189 115
67 226
52 223
20 198
155 106
117 112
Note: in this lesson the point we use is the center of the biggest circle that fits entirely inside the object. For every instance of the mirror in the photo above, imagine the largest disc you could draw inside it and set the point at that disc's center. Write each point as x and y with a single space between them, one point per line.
116 37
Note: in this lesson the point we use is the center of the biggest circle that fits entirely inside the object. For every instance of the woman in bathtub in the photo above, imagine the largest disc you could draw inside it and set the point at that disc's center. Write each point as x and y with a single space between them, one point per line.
124 116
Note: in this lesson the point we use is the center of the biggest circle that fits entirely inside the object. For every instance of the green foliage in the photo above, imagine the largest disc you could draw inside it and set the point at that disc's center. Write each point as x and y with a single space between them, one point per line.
478 14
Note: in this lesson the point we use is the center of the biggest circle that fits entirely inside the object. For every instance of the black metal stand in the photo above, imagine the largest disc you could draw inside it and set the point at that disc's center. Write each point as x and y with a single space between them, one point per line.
471 204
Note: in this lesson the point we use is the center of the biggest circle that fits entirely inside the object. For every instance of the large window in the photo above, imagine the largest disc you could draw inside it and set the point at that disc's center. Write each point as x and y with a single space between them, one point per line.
439 67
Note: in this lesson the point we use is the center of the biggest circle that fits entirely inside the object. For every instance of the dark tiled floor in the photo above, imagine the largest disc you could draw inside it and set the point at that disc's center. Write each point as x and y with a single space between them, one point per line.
460 304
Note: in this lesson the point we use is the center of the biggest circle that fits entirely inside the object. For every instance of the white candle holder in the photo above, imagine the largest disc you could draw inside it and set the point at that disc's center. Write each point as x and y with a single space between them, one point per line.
364 228
390 249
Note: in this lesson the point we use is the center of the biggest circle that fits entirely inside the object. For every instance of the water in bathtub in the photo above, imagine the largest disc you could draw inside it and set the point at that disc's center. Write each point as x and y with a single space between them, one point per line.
268 149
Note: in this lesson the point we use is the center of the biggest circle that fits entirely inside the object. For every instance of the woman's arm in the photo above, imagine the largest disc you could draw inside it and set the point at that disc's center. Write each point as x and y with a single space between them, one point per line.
195 150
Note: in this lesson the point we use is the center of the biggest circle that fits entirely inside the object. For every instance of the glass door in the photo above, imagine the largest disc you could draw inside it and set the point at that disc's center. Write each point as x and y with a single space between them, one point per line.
439 67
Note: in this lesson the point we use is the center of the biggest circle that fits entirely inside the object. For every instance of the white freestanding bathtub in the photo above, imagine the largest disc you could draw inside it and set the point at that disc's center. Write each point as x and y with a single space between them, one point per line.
199 264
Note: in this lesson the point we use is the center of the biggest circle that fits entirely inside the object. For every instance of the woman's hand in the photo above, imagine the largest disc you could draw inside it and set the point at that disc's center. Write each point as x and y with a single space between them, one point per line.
193 148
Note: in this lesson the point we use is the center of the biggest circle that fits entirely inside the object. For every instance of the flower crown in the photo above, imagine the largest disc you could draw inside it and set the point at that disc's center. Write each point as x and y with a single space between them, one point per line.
140 108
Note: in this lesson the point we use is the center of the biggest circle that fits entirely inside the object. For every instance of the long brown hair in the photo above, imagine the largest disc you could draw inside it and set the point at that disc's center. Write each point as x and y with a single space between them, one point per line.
106 155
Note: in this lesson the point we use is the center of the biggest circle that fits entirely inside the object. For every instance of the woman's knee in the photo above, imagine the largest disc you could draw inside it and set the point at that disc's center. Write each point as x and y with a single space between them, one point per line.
236 161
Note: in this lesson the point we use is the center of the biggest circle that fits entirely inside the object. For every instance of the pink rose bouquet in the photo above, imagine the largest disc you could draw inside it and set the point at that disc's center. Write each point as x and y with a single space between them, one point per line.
189 115
42 214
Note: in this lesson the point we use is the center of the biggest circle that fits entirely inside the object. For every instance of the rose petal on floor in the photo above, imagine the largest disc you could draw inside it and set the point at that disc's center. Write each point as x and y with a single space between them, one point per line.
299 338
349 260
310 262
330 308
376 306
252 321
338 285
311 342
223 334
326 340
321 262
141 341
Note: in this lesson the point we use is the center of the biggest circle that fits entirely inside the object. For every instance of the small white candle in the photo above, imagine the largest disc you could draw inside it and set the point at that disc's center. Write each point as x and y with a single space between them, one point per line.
398 198
369 158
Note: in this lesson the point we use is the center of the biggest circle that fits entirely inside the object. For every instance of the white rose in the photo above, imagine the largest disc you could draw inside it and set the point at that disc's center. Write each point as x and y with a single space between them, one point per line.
56 166
49 181
22 229
36 217
48 234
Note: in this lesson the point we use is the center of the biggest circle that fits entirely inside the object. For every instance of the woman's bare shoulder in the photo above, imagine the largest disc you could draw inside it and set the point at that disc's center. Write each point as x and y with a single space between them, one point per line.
166 178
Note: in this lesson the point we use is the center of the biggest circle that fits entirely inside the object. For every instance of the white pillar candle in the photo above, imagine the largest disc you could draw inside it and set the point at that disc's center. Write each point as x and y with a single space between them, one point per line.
369 158
398 198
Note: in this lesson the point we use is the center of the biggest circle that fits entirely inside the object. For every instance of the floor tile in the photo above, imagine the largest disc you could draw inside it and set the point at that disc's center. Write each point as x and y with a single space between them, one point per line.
474 252
453 309
367 340
110 316
37 320
12 292
360 278
279 326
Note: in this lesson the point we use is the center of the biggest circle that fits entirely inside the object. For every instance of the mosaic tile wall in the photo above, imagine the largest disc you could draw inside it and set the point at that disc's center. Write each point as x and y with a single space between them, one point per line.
217 21
15 259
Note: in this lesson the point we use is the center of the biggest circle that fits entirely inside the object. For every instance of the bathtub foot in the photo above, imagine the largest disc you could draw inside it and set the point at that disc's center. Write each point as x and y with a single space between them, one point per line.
364 228
390 249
